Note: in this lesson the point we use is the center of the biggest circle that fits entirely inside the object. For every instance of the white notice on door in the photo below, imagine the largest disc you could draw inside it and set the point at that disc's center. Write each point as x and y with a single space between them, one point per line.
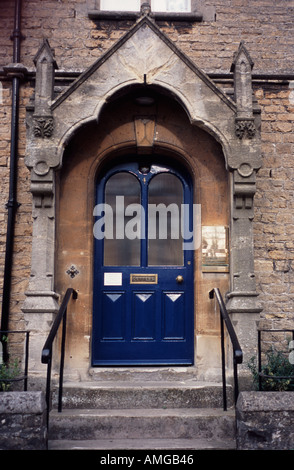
113 279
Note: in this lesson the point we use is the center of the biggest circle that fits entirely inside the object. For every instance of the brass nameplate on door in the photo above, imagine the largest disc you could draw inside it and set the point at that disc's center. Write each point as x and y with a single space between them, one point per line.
143 278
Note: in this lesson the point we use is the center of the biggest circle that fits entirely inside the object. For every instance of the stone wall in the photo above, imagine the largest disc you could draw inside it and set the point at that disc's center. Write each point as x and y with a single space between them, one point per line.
274 218
266 27
23 421
265 421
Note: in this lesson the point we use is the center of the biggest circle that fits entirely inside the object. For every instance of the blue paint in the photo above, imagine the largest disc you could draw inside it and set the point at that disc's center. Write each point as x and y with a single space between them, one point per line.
143 324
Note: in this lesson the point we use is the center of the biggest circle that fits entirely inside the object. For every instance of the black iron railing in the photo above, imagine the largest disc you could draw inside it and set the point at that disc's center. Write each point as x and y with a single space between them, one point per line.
48 348
261 375
237 351
4 338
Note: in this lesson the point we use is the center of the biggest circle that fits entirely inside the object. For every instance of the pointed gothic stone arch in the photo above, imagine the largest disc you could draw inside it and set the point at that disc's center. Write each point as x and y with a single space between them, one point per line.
146 57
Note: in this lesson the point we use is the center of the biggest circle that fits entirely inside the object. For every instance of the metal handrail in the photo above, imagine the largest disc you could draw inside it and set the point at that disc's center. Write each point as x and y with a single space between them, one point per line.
237 351
48 348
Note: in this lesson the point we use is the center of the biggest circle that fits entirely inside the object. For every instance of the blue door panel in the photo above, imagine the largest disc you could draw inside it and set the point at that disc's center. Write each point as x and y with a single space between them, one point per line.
143 316
140 323
113 316
174 315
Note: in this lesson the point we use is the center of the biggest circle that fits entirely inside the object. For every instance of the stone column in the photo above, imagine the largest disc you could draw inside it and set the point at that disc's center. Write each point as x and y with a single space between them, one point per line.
242 299
41 300
243 293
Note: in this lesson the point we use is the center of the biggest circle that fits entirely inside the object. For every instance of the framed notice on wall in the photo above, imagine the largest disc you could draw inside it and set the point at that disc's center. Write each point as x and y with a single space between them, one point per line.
215 249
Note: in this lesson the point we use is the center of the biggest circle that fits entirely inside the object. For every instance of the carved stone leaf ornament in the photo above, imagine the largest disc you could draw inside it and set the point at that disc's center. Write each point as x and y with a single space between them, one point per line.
43 127
245 127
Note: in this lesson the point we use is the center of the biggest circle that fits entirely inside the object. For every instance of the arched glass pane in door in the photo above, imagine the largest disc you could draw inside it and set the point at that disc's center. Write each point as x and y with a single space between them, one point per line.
121 245
165 198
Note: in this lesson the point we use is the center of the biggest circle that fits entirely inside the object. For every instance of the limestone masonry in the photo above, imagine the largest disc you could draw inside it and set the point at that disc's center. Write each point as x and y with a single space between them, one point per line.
200 65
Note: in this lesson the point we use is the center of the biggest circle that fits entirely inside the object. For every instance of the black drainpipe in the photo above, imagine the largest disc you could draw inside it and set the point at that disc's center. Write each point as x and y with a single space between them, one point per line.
12 204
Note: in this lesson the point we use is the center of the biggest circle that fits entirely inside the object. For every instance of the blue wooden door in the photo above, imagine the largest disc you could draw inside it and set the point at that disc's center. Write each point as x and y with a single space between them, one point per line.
143 273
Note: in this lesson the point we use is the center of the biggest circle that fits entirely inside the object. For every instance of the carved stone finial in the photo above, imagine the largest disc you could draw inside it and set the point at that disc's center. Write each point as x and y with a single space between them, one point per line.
45 69
242 51
45 52
242 67
145 9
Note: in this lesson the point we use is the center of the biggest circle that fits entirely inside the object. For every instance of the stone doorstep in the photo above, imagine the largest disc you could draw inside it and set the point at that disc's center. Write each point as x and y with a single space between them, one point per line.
142 415
206 424
117 394
142 374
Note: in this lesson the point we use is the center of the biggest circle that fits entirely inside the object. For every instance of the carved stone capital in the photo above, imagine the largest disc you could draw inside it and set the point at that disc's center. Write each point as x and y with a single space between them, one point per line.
245 127
43 126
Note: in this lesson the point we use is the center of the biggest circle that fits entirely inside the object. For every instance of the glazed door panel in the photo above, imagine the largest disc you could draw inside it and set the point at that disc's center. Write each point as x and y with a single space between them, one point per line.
143 277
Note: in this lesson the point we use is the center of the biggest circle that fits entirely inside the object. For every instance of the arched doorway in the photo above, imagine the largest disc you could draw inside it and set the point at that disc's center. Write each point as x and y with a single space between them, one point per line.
143 265
74 145
95 155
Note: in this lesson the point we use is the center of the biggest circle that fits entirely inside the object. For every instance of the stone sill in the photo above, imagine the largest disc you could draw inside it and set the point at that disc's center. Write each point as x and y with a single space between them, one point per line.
133 15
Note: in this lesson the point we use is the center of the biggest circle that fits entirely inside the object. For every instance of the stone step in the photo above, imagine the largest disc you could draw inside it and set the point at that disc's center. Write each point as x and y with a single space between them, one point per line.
142 374
183 423
124 395
144 444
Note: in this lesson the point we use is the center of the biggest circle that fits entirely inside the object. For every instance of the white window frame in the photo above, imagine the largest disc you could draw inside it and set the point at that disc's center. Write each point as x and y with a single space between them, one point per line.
162 6
194 11
135 5
120 5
